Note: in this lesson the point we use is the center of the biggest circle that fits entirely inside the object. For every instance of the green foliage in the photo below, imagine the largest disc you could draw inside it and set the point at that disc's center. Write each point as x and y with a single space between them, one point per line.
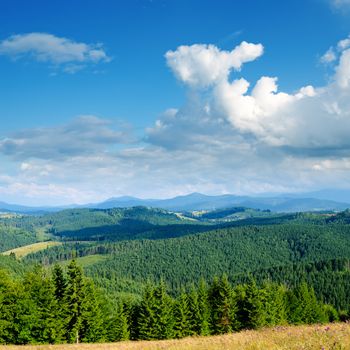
304 307
222 305
13 237
58 306
118 325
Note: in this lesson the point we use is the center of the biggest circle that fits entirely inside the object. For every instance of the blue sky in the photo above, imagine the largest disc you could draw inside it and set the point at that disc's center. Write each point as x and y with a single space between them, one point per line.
151 98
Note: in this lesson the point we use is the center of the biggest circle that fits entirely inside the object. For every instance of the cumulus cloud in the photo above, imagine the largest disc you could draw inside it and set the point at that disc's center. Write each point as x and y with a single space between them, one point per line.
84 135
231 136
309 118
45 47
203 65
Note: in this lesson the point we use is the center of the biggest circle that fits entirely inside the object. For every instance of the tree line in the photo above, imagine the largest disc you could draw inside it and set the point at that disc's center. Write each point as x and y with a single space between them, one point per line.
63 306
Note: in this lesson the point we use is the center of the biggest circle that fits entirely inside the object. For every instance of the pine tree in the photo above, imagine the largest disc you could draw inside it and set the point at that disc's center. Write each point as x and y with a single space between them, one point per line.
46 326
199 313
251 306
275 304
304 307
204 308
164 324
155 319
92 324
146 315
182 326
60 282
222 304
118 328
74 298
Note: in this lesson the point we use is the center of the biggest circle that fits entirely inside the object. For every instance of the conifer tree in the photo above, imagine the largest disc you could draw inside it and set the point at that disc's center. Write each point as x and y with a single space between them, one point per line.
46 326
275 304
156 319
74 298
118 327
251 310
92 329
203 304
304 307
164 324
182 326
222 306
199 313
60 282
146 315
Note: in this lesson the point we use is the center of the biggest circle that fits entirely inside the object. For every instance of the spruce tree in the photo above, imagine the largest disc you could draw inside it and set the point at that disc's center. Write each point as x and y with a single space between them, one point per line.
275 304
46 325
146 317
156 319
204 309
222 304
199 313
60 282
74 299
251 306
182 327
118 327
92 324
164 320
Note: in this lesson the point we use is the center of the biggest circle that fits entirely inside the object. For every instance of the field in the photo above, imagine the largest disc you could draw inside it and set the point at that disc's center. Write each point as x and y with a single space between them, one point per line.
321 337
21 252
86 260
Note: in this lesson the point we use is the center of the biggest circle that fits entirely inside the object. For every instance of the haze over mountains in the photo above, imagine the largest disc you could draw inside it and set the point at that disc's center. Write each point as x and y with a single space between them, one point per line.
312 201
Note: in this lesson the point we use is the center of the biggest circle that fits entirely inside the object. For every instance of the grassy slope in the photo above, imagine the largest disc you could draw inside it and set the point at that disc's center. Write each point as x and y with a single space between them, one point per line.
86 260
332 336
21 252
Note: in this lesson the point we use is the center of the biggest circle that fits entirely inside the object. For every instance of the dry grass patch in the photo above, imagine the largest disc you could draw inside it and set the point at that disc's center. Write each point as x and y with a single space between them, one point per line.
21 252
317 337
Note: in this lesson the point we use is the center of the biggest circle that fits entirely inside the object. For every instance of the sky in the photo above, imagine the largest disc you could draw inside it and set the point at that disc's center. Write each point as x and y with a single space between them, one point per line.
158 98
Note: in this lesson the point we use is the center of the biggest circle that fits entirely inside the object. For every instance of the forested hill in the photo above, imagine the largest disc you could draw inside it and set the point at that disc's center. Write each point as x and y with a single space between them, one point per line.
131 223
96 224
122 249
276 252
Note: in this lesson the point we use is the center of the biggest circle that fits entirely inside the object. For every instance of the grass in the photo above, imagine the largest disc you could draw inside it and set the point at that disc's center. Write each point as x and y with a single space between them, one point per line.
85 261
21 252
41 233
316 337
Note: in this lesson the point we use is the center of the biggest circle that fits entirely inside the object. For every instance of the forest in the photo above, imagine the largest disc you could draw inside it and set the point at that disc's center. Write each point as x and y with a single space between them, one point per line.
62 305
144 273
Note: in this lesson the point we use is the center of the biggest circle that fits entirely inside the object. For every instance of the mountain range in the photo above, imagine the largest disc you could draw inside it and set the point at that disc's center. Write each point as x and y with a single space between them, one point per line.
312 201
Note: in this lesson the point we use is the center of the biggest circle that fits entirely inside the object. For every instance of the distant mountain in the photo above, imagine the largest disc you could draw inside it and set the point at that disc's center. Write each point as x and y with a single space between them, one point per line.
337 195
198 201
15 208
313 201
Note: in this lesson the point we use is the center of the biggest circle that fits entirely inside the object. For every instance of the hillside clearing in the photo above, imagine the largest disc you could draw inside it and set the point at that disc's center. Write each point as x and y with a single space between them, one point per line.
21 252
322 337
85 261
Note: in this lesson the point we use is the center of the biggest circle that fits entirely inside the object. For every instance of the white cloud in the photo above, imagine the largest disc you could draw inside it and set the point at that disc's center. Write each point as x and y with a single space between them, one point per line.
44 47
235 136
83 135
203 65
343 70
314 119
343 44
329 56
340 3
